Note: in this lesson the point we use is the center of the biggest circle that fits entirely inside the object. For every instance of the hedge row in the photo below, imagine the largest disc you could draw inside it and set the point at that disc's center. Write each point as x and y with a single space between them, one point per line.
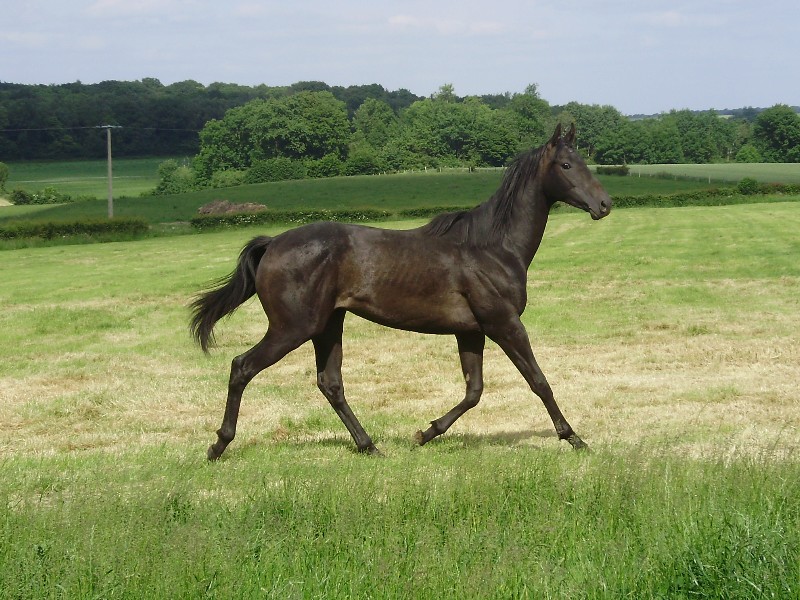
710 197
54 229
294 217
300 217
619 170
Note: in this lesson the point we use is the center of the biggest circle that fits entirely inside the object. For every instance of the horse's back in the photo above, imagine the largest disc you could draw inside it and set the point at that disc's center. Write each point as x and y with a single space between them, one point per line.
402 279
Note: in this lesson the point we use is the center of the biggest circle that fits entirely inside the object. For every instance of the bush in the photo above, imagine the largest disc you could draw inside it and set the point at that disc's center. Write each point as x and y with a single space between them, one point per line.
748 154
48 195
92 227
294 217
748 186
363 162
174 178
4 173
425 212
227 178
329 165
275 169
620 170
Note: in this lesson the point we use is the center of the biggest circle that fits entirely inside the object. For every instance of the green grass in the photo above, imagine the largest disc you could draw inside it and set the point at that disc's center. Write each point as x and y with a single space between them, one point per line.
669 337
729 173
388 192
462 520
132 176
384 192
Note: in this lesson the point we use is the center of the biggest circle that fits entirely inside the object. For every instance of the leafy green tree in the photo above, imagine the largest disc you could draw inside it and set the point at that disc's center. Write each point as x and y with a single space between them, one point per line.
441 131
306 125
531 117
375 122
363 161
665 142
280 168
174 178
748 154
329 165
696 136
224 144
776 134
638 143
593 122
4 173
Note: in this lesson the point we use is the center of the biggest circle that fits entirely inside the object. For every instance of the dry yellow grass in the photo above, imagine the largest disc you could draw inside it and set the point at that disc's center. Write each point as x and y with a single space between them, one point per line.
716 378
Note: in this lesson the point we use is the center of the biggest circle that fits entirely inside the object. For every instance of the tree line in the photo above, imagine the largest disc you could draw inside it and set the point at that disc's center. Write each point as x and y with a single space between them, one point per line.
240 134
60 121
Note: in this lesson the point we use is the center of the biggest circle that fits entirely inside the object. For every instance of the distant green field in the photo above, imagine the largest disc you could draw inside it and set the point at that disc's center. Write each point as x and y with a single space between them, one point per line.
132 176
385 192
729 172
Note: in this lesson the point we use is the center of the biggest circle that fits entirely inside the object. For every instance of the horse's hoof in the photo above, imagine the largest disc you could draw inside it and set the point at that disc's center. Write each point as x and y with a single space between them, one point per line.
577 443
212 454
371 449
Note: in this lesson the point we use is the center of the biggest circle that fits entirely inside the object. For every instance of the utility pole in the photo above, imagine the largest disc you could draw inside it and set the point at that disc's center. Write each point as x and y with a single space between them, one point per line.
108 129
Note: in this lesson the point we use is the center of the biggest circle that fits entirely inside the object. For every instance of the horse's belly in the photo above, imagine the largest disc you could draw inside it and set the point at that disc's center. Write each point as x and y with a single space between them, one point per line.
447 314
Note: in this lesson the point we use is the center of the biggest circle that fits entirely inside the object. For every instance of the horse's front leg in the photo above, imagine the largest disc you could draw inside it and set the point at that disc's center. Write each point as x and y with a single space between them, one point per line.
470 351
513 339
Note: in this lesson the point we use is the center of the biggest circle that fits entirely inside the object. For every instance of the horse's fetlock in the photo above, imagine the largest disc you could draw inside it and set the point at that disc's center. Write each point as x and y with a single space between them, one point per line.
226 435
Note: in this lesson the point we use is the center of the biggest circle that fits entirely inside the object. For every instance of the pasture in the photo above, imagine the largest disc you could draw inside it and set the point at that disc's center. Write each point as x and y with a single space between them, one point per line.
385 192
725 173
132 176
669 337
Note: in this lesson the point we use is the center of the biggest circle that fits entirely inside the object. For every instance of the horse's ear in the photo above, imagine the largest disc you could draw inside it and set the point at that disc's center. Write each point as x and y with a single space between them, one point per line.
569 139
556 136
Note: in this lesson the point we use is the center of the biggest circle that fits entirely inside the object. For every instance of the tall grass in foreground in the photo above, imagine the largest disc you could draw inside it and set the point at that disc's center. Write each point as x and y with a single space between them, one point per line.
464 520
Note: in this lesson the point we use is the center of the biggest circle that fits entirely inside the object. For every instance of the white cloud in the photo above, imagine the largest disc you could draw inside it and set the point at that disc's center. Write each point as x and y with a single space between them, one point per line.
250 9
445 26
24 39
91 42
675 19
141 8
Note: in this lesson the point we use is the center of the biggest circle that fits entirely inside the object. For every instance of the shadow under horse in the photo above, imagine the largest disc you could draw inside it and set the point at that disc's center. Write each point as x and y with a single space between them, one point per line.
464 273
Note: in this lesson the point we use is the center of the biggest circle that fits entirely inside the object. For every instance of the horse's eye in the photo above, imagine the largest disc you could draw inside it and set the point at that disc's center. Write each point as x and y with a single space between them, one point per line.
566 166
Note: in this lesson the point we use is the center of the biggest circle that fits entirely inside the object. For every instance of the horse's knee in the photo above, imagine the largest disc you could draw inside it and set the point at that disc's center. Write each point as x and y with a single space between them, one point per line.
331 388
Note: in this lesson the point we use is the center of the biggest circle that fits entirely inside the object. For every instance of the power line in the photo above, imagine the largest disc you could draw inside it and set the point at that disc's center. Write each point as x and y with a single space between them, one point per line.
96 127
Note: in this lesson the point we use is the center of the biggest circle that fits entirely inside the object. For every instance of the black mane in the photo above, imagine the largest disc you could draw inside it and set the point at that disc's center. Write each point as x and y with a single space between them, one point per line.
491 219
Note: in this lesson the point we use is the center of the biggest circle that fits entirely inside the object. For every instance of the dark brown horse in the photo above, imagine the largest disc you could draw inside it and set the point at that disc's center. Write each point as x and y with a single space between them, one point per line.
464 273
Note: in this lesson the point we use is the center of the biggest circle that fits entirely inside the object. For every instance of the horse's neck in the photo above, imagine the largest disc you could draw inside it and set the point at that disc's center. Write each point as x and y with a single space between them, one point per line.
529 220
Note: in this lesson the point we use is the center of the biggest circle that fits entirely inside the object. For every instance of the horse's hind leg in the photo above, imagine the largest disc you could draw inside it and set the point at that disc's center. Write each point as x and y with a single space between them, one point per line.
470 350
328 349
244 367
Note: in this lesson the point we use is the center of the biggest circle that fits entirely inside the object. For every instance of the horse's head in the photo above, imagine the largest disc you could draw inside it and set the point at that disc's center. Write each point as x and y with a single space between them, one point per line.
567 178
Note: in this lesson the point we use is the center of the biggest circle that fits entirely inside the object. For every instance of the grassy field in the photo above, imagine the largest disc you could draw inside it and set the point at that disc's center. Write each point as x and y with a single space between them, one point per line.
132 176
669 337
386 192
730 173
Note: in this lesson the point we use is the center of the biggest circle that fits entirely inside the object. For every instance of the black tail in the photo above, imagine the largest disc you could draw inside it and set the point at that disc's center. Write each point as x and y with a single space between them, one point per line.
228 293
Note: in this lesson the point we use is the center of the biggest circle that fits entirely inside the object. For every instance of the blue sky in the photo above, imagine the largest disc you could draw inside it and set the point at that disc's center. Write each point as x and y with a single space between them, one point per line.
644 56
